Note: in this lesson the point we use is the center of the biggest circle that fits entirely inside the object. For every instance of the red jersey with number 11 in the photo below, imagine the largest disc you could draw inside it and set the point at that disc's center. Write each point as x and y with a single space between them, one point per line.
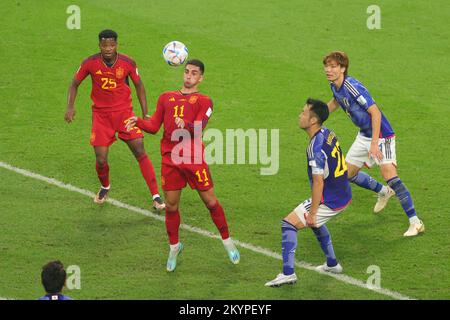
194 108
110 86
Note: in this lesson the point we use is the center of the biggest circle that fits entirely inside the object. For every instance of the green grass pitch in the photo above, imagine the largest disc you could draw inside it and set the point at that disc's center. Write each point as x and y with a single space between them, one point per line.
263 59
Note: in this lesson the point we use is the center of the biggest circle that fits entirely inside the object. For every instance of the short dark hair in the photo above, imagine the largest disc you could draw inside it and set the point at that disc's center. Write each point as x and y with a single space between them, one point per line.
53 277
107 34
198 63
319 108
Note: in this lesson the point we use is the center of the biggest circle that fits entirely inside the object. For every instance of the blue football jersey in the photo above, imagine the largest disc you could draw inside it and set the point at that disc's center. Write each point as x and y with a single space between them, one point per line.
326 158
55 297
354 99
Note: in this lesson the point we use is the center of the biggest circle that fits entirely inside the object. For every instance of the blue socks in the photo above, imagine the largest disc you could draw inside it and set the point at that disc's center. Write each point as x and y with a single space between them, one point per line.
362 179
403 195
324 238
288 246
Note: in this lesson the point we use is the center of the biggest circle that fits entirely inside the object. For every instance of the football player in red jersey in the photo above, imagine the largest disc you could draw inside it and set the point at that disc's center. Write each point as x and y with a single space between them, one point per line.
111 95
185 114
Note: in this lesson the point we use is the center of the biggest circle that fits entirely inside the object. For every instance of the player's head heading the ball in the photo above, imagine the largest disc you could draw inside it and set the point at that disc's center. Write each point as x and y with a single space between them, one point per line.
53 277
337 58
198 63
107 34
193 74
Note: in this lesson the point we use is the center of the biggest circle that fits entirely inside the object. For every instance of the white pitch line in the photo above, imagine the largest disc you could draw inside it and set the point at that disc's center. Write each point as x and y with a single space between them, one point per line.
249 246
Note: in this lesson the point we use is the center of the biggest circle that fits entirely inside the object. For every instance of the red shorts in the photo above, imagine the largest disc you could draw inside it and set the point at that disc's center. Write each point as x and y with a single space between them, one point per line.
106 124
175 176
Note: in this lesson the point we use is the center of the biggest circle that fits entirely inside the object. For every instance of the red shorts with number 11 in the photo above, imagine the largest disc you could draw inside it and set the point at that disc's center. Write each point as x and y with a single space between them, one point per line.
106 124
176 176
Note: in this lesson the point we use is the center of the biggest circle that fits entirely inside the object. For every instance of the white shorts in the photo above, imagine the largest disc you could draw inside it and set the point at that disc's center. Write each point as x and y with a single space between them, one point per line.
323 213
358 154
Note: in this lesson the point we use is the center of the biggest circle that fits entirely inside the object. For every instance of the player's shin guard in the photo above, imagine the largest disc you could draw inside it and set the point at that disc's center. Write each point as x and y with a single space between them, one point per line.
324 238
288 246
172 225
218 217
363 180
148 172
403 195
103 174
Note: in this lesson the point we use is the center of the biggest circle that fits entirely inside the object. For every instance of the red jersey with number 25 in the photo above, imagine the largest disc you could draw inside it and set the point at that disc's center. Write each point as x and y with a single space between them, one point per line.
192 108
110 86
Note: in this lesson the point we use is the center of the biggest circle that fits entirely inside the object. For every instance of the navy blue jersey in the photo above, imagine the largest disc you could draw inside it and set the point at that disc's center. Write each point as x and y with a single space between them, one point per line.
55 297
326 158
354 99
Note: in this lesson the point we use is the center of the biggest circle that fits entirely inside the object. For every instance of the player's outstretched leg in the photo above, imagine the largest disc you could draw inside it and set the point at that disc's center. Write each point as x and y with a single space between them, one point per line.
172 227
363 180
324 238
218 217
416 226
288 246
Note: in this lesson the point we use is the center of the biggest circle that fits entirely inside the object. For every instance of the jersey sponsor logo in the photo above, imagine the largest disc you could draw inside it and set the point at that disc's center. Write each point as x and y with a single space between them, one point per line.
193 99
119 72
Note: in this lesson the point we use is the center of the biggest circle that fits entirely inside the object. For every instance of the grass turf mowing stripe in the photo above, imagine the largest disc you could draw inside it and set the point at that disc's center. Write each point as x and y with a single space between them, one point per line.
266 252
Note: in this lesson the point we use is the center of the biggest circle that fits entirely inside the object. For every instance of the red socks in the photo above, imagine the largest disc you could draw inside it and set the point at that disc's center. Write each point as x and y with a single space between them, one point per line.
148 172
218 216
172 225
103 174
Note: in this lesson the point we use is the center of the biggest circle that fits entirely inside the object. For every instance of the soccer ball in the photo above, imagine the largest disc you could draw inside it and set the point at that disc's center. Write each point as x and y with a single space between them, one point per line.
175 53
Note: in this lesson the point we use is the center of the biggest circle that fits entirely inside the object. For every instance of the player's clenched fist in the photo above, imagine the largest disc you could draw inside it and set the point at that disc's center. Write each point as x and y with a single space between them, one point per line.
69 115
131 123
179 122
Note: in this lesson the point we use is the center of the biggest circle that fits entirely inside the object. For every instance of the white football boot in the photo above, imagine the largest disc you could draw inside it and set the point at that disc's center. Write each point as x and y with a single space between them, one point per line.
158 204
325 268
232 251
414 229
282 279
101 195
173 254
383 199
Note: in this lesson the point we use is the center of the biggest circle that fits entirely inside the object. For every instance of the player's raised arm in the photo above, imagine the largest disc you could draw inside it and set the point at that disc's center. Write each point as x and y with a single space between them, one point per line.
332 105
72 93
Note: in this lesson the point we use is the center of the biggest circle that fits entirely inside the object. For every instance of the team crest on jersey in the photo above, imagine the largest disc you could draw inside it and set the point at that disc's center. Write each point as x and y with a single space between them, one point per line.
119 72
193 99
